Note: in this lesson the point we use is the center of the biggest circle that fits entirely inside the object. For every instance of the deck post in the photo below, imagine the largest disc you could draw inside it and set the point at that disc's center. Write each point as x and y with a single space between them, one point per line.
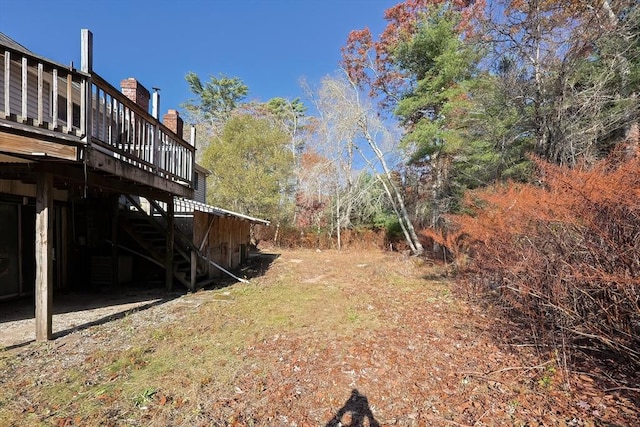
86 54
170 238
44 253
155 103
86 100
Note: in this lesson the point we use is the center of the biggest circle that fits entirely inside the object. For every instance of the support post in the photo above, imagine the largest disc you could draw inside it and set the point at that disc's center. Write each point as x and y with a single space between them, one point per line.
170 238
44 253
194 271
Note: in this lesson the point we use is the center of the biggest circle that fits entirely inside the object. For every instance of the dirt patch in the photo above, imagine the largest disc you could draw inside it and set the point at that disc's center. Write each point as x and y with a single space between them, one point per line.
323 338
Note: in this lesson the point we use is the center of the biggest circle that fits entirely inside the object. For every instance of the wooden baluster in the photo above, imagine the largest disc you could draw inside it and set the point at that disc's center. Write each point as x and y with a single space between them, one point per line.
7 86
54 100
170 156
69 103
130 128
180 161
125 125
40 95
178 167
103 106
134 130
143 140
97 113
83 107
148 150
25 88
108 102
155 144
192 157
176 150
116 122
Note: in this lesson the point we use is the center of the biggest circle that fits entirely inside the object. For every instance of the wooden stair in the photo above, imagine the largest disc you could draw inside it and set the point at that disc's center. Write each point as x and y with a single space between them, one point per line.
150 232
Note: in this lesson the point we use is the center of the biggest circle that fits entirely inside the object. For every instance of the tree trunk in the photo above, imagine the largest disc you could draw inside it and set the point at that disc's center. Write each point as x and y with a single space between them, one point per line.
403 215
338 222
405 231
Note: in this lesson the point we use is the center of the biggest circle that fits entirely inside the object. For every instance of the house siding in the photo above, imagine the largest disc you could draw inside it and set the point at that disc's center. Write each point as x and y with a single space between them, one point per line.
200 191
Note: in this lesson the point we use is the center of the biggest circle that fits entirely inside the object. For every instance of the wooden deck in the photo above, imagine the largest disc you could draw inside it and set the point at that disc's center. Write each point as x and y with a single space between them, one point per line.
52 112
67 134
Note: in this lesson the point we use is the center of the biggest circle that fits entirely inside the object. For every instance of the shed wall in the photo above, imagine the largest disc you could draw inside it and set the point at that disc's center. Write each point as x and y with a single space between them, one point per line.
226 243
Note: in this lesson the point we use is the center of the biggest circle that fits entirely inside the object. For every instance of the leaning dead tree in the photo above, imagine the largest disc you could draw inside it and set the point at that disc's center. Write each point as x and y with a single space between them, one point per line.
340 103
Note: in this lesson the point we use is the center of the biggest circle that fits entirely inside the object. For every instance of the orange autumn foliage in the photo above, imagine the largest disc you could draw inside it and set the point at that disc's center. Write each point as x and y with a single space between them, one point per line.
564 254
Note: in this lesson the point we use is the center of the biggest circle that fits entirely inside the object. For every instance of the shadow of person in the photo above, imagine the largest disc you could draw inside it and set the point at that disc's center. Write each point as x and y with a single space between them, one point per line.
357 406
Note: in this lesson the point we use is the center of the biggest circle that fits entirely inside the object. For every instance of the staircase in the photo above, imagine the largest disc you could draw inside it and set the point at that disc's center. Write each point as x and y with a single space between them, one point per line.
150 233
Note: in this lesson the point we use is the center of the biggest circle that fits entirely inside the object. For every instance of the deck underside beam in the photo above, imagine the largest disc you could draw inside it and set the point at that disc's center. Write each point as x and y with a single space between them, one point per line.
107 163
13 143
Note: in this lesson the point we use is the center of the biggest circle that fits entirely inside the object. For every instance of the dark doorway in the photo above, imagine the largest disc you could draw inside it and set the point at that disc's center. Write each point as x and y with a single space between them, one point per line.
28 251
9 243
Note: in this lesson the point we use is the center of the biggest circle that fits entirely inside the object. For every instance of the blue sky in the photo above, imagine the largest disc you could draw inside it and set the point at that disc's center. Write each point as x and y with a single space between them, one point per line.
269 44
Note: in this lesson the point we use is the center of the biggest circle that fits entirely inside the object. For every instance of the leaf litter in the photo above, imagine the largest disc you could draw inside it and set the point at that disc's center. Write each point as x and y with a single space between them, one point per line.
352 346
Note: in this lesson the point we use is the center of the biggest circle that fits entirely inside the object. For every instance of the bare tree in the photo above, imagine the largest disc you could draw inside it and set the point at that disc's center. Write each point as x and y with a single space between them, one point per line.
353 126
334 141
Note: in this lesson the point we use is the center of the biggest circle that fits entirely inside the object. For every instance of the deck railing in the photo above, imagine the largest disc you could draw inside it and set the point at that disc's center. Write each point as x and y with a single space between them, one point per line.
121 126
45 95
39 93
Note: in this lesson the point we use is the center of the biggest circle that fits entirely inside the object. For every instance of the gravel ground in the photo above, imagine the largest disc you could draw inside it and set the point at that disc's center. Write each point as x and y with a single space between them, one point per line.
72 312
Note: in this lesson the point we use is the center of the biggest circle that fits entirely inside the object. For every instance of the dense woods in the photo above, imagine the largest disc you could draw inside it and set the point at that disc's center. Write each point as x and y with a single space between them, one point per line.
500 135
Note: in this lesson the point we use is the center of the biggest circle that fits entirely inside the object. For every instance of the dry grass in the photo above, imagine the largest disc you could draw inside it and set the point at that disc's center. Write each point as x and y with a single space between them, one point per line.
289 348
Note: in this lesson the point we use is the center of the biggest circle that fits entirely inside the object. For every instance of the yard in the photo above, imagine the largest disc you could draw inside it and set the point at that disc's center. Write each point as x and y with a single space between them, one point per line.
318 338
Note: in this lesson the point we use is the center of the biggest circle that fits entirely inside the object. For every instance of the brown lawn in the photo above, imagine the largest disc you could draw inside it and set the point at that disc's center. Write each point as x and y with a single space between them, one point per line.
320 339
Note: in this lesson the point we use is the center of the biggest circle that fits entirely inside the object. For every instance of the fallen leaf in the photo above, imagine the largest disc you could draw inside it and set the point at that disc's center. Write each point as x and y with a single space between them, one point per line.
163 400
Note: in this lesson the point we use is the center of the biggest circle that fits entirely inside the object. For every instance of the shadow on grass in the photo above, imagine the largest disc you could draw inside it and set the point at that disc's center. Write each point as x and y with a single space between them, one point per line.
114 316
357 408
256 266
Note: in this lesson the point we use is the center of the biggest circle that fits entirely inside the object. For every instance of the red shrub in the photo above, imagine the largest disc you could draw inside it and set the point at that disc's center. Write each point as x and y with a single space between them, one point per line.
564 253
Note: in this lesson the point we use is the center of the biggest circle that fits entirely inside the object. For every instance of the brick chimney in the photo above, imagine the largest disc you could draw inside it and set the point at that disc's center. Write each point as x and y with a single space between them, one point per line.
173 121
133 90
